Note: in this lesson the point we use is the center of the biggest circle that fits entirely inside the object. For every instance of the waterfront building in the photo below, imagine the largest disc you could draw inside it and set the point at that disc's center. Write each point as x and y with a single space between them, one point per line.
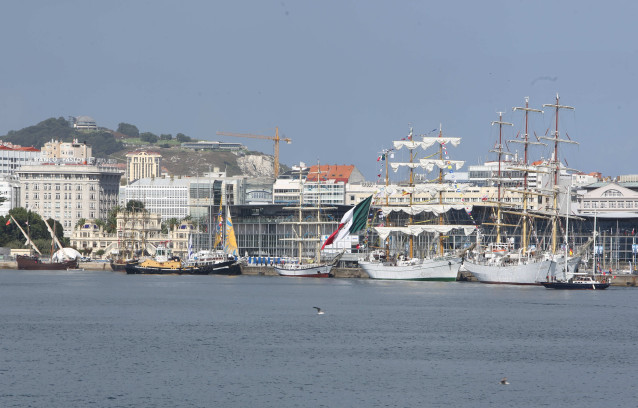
607 199
13 156
68 192
67 151
137 232
179 197
142 164
259 190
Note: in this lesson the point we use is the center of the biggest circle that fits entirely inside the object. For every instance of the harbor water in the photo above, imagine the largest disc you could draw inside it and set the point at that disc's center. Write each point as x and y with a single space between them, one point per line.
104 339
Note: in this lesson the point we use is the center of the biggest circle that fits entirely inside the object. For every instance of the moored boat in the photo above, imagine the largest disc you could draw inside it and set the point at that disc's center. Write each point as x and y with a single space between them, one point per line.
32 262
437 269
577 283
312 270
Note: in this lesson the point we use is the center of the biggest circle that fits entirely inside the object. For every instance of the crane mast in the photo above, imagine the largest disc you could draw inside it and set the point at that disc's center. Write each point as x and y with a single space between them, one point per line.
275 138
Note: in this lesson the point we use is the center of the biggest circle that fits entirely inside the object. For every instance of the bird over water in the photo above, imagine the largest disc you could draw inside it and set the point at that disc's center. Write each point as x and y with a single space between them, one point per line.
319 311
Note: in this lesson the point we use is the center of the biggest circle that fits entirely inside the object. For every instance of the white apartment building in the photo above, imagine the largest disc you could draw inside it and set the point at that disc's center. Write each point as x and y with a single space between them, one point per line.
189 196
67 151
69 192
12 157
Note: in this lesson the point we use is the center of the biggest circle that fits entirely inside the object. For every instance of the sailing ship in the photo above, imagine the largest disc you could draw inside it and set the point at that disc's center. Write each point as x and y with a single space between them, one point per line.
219 261
300 266
501 262
431 267
34 262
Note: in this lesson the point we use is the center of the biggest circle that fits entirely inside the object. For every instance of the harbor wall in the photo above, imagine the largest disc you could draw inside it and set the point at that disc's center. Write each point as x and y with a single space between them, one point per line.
357 273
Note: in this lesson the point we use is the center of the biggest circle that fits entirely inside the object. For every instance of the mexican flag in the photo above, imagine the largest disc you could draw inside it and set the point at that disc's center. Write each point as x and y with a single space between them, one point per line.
354 220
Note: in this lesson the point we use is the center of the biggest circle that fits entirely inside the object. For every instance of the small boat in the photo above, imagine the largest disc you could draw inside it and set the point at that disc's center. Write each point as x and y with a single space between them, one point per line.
576 283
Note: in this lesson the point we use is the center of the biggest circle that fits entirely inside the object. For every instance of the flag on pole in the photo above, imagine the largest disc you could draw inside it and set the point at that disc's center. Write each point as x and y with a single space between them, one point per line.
8 221
354 220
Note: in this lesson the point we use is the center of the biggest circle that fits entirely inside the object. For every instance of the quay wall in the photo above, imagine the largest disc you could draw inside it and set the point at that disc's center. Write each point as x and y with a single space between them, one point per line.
357 273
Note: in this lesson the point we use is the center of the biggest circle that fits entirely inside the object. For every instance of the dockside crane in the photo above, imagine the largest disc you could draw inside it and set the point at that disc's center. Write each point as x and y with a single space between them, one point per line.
276 138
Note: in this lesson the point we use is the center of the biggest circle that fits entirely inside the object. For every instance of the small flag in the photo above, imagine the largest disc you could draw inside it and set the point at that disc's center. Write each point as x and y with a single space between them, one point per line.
8 222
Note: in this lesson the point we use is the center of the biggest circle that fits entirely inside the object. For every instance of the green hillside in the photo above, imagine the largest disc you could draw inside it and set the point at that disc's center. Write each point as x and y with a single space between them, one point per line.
102 141
116 144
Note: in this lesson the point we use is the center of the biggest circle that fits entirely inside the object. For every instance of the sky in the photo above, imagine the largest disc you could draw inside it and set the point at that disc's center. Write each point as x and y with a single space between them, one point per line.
342 79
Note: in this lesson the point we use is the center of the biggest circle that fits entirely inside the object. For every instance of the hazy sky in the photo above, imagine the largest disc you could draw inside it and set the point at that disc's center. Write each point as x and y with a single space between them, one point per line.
342 79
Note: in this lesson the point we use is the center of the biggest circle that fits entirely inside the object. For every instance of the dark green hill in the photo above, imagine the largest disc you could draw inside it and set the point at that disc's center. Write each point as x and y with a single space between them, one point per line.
102 141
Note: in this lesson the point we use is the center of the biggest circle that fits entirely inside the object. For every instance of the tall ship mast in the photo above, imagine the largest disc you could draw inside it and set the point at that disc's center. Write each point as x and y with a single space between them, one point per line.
307 267
433 266
504 263
555 167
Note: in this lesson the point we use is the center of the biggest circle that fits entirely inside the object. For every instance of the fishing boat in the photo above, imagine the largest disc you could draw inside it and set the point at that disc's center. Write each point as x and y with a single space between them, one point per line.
439 266
305 234
34 262
502 262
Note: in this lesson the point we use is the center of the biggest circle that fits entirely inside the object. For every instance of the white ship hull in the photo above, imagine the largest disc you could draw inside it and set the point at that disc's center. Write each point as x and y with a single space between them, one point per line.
531 273
440 269
306 271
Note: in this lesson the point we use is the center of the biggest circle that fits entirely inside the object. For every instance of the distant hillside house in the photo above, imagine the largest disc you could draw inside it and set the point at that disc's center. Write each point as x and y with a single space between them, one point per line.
206 145
84 123
142 164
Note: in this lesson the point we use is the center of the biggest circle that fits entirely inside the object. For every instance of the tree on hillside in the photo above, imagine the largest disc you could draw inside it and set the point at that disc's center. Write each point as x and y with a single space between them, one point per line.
102 142
128 129
183 138
149 137
166 136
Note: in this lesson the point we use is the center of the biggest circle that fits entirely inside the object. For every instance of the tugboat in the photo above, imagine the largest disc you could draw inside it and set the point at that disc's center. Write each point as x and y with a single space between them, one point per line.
165 263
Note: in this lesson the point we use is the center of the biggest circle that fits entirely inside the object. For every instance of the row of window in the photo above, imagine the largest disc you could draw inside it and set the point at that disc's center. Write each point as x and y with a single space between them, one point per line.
610 204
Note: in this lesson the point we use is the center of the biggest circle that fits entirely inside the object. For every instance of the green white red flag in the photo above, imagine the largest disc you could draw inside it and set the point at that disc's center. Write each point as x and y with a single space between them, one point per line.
354 220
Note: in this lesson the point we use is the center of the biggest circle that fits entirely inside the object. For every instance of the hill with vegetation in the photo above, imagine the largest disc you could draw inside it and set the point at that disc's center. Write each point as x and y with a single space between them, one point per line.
115 144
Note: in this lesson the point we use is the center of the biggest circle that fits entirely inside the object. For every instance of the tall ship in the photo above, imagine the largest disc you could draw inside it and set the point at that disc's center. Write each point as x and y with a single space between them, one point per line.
432 266
307 261
502 261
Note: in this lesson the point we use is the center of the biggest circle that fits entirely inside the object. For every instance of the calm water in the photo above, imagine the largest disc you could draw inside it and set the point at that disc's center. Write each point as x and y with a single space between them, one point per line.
103 339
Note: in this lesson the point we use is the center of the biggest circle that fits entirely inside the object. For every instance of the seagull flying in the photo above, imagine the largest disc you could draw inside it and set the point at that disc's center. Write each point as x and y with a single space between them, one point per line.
319 311
504 381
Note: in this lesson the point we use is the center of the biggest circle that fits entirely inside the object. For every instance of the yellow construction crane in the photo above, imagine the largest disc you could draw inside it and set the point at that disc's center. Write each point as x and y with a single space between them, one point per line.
275 138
